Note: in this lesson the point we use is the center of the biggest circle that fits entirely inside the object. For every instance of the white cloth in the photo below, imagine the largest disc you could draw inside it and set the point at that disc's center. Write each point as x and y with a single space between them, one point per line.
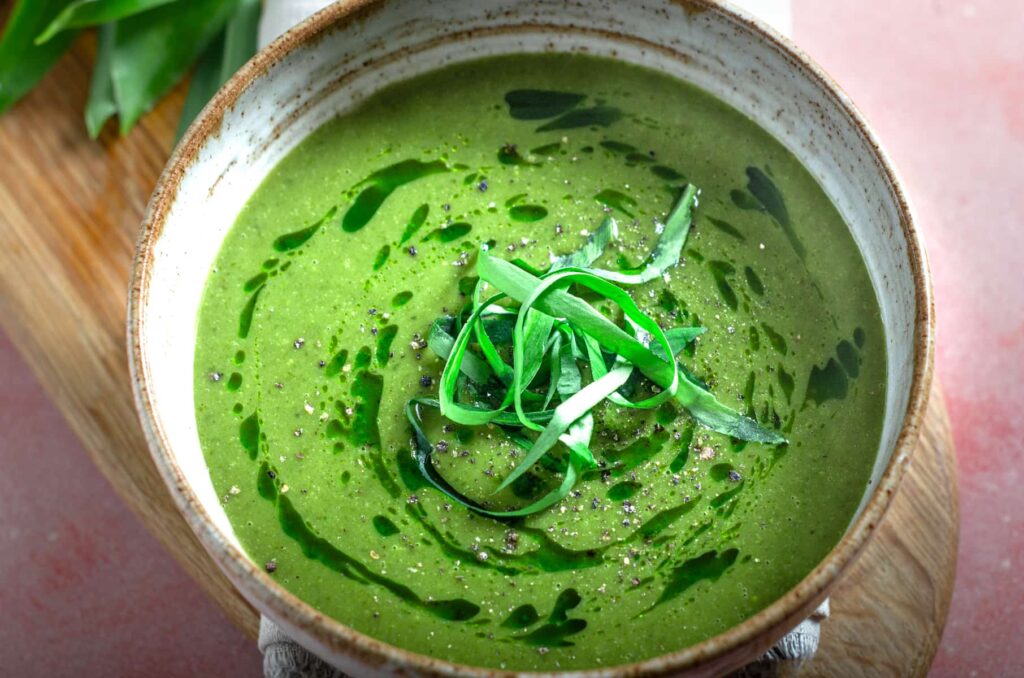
284 658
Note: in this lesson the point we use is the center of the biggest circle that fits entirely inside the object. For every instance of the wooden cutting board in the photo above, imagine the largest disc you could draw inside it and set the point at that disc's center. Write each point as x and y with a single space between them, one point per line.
69 215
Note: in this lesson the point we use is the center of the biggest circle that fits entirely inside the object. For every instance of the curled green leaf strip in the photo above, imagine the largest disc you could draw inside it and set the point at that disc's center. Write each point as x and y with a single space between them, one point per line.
548 334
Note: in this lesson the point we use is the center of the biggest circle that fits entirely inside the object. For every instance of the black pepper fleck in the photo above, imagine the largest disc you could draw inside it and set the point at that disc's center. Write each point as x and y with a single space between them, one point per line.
426 381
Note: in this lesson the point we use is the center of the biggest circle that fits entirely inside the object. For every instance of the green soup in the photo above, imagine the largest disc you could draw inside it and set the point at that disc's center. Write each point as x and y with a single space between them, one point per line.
309 345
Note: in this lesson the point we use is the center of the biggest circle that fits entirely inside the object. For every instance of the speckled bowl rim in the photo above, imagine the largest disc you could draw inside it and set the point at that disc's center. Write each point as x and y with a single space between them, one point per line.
718 653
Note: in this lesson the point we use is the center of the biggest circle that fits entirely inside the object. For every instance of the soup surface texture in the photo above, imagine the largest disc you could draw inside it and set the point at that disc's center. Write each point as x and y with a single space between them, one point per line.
309 346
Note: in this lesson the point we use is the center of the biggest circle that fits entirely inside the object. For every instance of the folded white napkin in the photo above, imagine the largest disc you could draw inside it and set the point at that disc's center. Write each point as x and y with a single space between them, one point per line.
284 658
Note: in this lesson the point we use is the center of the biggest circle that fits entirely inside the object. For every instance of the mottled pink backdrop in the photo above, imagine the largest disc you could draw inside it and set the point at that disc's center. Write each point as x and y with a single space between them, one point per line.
87 590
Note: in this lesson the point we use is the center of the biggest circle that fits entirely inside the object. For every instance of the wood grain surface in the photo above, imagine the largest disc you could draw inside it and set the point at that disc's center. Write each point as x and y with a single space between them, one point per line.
69 215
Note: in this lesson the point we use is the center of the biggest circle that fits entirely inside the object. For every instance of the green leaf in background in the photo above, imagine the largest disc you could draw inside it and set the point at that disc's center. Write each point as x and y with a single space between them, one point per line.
153 51
101 105
84 13
226 54
240 37
23 63
204 84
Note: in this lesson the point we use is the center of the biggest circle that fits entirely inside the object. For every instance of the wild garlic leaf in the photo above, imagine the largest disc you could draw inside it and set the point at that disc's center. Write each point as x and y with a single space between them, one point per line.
555 329
701 404
22 62
155 49
86 13
101 105
221 59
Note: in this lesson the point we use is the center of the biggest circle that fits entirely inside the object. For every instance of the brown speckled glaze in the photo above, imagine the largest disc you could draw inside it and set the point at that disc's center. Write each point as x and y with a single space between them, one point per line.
331 61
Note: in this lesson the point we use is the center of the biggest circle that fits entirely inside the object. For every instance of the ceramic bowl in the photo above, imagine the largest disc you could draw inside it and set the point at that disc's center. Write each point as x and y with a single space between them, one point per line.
335 59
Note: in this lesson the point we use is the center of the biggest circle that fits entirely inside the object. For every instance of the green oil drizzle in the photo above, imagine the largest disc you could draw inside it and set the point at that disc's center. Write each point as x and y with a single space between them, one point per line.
382 257
401 299
362 359
249 434
726 496
638 158
385 337
567 601
786 382
553 635
710 567
296 239
666 414
624 490
528 486
721 271
245 319
755 339
847 355
449 233
666 173
686 438
317 548
337 362
384 526
637 452
527 213
367 389
595 116
727 228
616 200
416 221
380 185
827 383
665 519
720 472
753 281
778 342
770 199
748 393
521 617
254 282
553 557
455 552
745 201
540 104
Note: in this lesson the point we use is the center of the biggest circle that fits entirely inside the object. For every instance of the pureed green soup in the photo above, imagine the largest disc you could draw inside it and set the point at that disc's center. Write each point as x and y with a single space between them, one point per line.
312 339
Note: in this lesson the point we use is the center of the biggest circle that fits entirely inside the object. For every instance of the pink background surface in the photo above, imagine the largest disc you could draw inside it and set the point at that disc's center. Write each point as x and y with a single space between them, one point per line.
86 589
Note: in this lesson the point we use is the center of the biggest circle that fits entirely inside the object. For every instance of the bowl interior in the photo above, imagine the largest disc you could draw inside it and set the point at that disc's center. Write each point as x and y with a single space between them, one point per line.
275 103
